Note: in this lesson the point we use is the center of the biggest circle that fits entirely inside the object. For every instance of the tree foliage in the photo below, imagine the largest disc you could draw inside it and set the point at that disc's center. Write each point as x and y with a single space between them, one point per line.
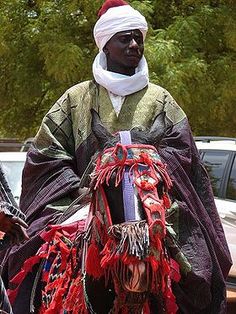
47 46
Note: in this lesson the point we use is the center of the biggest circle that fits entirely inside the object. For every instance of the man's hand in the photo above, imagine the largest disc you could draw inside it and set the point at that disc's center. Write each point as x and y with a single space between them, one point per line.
14 228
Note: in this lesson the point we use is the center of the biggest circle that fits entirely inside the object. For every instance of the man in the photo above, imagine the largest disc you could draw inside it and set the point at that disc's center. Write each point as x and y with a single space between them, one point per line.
124 98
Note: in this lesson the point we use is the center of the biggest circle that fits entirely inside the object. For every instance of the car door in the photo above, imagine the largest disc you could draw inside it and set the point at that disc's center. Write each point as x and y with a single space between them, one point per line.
221 167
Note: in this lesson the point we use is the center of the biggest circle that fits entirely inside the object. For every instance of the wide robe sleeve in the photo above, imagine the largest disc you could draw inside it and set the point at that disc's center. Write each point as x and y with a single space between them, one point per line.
50 177
199 234
50 172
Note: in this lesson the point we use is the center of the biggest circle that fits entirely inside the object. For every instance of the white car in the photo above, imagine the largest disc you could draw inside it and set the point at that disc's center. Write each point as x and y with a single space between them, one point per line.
219 157
12 164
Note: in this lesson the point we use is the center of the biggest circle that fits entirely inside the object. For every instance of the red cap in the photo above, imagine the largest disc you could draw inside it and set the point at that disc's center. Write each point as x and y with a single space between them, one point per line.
110 4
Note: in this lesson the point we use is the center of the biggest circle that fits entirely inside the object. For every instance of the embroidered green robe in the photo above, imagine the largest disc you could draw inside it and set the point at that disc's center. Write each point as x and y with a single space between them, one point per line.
68 123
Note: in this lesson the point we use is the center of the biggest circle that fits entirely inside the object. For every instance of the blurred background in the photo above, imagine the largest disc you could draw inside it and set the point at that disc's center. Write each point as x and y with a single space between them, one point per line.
47 46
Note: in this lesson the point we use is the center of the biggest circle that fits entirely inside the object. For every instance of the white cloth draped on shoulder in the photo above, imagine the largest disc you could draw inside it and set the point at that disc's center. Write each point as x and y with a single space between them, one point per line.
116 83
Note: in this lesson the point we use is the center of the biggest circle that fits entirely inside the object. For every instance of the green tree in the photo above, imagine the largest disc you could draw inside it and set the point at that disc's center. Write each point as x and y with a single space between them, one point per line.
195 61
47 46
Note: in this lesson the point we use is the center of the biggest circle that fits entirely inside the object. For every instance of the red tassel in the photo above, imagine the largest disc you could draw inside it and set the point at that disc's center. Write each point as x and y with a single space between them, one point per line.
129 259
145 185
146 308
75 301
19 277
153 262
171 306
93 261
165 267
166 200
145 158
174 271
109 256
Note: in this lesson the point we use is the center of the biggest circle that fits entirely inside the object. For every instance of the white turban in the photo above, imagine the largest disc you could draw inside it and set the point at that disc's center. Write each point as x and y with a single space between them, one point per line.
118 19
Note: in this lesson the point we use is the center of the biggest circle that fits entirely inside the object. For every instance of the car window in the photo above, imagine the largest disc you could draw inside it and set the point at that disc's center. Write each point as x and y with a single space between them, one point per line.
231 188
13 173
215 164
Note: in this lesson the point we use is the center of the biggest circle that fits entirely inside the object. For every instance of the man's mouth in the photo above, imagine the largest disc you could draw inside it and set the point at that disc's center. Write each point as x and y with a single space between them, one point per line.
136 56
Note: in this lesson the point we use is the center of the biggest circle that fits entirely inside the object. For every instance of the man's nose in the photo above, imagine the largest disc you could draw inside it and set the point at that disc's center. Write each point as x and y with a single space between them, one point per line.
133 43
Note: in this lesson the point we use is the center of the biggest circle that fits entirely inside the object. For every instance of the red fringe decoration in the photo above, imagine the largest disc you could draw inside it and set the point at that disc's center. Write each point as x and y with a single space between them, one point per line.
147 186
17 280
93 261
166 200
108 253
146 308
115 254
64 284
146 159
174 272
75 302
61 286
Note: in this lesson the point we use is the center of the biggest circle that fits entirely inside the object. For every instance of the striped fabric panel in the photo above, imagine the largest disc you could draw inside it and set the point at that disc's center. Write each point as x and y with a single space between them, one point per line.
5 306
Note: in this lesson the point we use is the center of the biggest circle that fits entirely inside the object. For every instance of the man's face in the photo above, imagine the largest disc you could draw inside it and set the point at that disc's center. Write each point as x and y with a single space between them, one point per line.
124 51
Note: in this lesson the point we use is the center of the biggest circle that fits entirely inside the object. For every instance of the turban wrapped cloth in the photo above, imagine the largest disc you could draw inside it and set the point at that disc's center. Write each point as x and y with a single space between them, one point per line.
118 19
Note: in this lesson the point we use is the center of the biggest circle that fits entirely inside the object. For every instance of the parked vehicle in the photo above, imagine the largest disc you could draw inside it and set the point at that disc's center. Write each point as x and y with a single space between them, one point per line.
10 145
219 157
12 164
15 145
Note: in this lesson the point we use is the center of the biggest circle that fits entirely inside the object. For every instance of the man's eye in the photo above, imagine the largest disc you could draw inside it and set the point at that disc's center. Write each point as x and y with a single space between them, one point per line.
139 40
125 39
